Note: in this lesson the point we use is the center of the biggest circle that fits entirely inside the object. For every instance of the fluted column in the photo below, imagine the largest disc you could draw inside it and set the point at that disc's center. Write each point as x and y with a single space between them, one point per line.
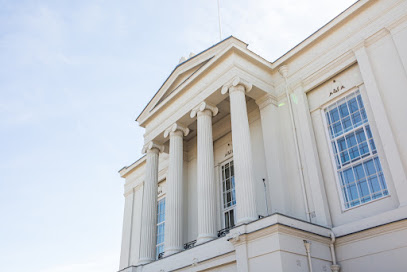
242 151
207 226
149 211
174 199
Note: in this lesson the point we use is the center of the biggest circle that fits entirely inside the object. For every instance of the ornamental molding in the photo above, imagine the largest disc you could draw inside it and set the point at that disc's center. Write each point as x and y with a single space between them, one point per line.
329 70
202 107
151 146
235 82
176 127
376 36
282 229
283 70
266 100
134 189
371 233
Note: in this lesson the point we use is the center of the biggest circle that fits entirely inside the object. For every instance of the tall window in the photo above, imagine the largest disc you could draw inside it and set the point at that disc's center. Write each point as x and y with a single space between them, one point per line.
160 226
355 154
228 194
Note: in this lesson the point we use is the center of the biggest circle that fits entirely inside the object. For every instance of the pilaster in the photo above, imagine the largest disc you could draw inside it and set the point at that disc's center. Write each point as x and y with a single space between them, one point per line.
385 132
320 209
271 135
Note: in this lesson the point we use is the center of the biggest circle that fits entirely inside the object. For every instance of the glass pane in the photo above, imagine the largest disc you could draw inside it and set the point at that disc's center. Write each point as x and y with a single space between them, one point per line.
227 184
363 189
348 176
359 172
232 218
353 105
227 223
343 110
334 114
370 168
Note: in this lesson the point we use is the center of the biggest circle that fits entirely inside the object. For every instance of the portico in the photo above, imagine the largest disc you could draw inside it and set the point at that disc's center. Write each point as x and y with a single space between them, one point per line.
215 97
234 90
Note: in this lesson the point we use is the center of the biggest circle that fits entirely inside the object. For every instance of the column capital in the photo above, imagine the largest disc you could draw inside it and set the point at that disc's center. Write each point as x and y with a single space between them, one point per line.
176 127
235 83
283 70
203 107
152 146
266 100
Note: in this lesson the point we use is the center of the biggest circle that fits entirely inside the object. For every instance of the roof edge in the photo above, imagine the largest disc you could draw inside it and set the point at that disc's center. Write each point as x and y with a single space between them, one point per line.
179 64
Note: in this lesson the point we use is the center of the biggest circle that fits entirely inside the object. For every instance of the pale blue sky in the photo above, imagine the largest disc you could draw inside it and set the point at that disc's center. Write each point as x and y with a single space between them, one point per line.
73 77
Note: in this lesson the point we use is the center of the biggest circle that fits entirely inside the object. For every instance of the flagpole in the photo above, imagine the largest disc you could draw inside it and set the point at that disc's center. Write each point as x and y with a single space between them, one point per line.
220 28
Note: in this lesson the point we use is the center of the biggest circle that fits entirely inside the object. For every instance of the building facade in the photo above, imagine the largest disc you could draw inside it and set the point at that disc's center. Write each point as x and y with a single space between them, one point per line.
294 165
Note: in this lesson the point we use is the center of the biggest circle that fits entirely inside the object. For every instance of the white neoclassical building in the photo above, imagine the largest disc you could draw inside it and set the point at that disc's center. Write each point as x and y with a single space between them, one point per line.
294 165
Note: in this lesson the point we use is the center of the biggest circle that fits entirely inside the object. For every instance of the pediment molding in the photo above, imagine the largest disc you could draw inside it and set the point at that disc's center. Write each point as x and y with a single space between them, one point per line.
190 70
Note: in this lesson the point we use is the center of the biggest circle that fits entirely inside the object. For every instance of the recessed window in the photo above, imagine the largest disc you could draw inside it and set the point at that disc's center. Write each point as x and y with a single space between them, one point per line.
160 227
228 194
354 150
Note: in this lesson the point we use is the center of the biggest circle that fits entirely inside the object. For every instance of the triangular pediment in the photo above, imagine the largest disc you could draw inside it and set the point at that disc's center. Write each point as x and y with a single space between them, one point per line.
189 69
181 78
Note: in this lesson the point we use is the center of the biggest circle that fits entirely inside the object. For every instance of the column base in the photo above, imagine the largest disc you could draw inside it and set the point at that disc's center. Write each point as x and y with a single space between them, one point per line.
203 238
171 251
246 220
335 268
145 261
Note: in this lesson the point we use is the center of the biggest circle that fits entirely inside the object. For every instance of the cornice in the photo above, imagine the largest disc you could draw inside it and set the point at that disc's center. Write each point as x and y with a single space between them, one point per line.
238 238
328 71
232 46
128 169
376 37
373 232
398 25
279 228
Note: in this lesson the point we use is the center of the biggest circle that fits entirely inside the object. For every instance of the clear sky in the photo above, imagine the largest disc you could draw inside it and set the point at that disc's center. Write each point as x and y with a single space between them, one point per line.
73 77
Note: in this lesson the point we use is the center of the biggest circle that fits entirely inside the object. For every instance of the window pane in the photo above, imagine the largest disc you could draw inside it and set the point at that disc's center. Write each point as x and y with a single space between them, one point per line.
353 105
160 226
232 218
228 194
359 172
348 177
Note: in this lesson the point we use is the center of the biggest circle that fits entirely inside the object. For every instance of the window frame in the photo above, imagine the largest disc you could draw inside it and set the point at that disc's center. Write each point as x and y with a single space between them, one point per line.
161 198
362 159
225 210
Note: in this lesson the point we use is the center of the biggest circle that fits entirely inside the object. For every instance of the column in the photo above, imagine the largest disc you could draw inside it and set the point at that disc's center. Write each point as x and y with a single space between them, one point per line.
149 212
207 227
174 200
242 151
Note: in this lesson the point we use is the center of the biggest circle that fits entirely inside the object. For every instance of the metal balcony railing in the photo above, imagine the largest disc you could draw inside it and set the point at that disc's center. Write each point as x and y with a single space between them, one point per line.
223 232
189 244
